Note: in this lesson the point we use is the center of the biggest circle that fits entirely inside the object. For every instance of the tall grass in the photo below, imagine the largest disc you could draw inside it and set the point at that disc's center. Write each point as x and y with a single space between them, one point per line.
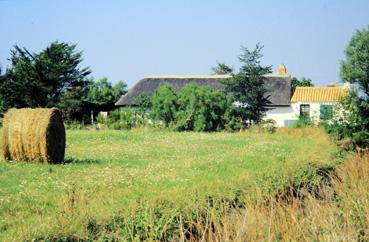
339 213
165 186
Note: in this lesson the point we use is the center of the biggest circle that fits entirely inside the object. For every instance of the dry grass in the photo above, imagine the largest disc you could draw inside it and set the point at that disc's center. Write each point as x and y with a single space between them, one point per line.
33 135
341 214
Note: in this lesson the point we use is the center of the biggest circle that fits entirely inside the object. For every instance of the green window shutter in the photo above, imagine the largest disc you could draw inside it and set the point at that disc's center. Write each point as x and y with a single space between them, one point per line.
326 112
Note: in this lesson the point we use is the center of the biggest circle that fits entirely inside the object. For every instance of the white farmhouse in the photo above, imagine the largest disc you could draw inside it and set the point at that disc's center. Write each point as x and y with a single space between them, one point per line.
287 103
315 103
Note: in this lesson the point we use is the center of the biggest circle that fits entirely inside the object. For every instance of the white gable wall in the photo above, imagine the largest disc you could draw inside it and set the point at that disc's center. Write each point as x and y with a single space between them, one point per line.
292 112
280 114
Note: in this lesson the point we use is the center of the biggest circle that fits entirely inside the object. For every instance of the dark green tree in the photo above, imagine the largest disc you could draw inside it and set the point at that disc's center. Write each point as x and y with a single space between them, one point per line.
247 87
304 82
102 95
119 89
164 104
2 79
222 69
143 103
201 108
42 79
355 70
72 104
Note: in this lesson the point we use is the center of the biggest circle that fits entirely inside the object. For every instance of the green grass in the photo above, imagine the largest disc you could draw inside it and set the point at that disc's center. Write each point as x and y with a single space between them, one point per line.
118 172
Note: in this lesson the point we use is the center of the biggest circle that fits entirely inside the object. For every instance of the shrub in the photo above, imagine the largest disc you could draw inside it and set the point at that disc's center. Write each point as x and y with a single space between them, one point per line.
350 120
361 138
164 104
127 118
201 108
269 125
75 125
303 122
144 104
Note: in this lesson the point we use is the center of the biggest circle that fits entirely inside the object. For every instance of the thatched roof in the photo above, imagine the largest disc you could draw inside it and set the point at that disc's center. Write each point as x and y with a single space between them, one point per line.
279 86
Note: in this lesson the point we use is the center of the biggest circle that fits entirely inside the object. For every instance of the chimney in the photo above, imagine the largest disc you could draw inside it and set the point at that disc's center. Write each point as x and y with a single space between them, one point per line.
282 69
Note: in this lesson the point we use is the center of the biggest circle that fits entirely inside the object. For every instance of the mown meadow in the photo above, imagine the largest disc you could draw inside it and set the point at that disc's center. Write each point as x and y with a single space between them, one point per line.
157 185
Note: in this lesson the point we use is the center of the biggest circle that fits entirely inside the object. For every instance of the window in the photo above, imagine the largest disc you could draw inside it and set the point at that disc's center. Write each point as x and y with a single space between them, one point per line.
326 112
305 111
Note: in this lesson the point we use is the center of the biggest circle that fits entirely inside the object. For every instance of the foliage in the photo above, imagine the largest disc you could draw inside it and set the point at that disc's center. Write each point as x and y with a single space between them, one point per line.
232 121
71 103
222 69
164 104
353 115
201 108
350 119
74 125
120 119
43 79
355 68
304 82
2 80
194 108
102 95
119 89
269 126
125 119
144 103
247 87
303 122
361 138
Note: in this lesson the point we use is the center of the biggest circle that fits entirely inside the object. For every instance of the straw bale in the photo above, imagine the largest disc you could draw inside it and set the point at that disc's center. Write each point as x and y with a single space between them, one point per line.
33 135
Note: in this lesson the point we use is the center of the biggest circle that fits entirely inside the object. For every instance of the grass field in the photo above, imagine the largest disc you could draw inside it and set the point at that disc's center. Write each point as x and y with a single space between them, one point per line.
132 176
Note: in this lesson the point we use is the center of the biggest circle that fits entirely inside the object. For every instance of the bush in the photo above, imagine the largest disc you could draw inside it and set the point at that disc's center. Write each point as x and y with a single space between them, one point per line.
269 125
123 119
350 120
74 125
303 122
200 108
361 138
164 104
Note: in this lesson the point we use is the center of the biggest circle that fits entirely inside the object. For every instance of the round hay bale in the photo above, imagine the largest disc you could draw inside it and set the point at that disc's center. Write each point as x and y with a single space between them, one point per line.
34 135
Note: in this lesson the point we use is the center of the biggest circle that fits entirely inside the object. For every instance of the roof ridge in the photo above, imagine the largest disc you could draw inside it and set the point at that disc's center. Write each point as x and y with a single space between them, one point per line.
189 76
319 87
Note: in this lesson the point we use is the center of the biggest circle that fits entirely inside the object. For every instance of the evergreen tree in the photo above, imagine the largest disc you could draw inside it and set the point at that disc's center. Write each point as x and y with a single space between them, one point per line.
43 79
222 69
2 78
247 87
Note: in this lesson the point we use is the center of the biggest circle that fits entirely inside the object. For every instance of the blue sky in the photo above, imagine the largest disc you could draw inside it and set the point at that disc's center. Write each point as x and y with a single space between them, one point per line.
127 40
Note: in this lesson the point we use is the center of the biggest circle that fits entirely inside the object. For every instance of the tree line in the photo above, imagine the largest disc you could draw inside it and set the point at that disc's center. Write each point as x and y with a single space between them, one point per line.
54 78
240 104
